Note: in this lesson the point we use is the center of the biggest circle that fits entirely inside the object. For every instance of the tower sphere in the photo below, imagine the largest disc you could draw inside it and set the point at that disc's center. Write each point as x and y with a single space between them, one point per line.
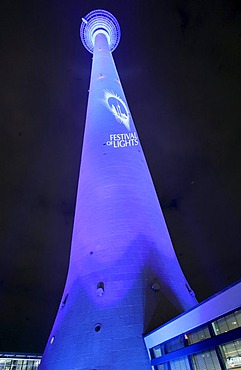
99 21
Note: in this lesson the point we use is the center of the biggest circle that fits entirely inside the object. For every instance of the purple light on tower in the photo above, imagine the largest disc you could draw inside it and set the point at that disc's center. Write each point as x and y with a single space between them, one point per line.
123 273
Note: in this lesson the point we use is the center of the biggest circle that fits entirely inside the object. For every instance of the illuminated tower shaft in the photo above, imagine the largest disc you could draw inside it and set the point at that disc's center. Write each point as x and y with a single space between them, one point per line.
122 260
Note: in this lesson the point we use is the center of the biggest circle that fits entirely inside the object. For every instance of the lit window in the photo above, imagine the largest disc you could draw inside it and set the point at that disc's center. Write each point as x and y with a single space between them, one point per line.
227 323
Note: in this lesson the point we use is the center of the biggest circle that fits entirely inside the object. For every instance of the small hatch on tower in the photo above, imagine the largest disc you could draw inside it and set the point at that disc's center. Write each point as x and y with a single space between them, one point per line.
65 300
100 289
155 287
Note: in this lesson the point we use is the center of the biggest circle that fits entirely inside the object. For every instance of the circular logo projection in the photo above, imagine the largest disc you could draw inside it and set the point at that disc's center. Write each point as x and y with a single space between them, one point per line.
117 107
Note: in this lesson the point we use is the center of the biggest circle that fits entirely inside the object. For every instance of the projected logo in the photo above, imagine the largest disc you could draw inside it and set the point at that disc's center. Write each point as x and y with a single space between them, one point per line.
117 107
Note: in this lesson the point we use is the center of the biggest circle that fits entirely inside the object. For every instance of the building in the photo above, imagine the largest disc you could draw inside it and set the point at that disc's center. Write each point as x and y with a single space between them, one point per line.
19 361
124 278
208 337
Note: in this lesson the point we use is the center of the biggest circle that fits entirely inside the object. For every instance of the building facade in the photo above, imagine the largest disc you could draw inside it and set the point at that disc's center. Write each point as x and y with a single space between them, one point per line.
123 275
208 337
19 361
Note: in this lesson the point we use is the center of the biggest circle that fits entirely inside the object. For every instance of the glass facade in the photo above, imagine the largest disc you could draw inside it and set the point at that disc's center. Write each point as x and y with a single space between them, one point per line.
158 351
207 360
175 344
19 362
231 353
162 367
181 363
206 348
227 323
198 335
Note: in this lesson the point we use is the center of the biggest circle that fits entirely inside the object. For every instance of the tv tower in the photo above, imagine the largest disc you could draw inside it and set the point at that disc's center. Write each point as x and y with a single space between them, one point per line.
123 271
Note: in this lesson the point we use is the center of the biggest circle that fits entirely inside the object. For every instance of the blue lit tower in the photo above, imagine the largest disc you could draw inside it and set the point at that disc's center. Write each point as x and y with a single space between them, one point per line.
123 269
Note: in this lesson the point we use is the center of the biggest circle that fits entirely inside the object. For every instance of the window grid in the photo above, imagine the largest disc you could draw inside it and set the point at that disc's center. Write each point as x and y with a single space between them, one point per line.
227 323
226 356
232 354
18 364
175 344
207 360
180 364
198 335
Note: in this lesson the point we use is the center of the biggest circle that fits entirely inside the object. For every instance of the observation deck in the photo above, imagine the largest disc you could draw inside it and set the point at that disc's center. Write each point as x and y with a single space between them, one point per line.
99 21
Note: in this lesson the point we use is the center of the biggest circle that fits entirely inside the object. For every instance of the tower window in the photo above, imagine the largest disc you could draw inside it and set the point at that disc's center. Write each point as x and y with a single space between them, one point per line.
97 327
100 289
155 287
100 285
65 300
188 288
52 340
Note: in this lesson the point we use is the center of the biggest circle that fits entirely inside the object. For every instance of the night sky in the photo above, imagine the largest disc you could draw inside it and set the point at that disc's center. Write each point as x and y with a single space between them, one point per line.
180 65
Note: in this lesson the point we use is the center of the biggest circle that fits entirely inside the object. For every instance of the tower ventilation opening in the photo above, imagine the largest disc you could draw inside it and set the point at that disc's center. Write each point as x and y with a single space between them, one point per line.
97 327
